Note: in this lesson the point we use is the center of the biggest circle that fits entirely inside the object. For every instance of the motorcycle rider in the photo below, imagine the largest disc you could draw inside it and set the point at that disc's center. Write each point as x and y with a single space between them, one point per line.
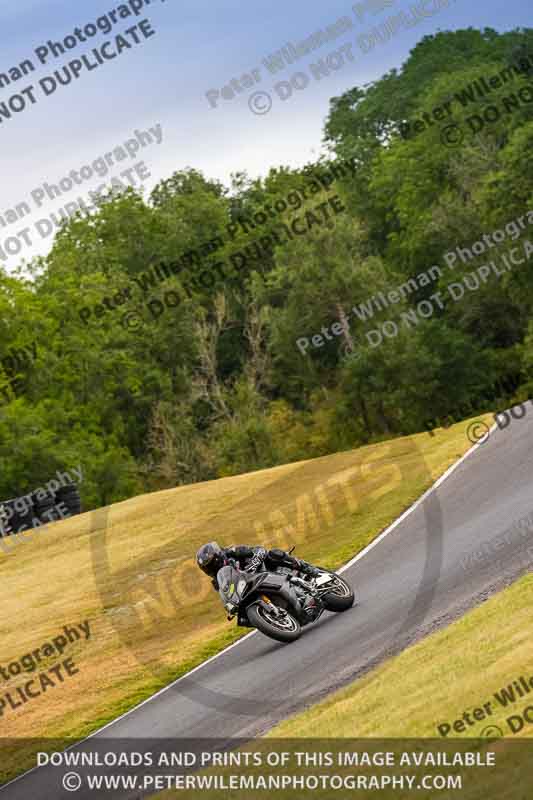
211 557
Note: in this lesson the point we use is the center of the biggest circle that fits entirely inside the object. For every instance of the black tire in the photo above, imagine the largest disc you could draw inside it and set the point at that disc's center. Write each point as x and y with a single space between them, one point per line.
67 491
22 520
256 618
339 602
42 506
70 497
13 520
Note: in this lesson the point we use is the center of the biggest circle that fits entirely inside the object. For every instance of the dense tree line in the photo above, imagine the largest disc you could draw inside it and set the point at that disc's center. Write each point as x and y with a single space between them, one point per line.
214 384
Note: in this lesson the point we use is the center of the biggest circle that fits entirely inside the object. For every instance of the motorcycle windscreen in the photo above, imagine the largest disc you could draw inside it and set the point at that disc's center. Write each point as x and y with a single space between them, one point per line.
231 585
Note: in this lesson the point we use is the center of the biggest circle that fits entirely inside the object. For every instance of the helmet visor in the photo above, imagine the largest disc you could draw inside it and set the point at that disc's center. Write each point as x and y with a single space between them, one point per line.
209 561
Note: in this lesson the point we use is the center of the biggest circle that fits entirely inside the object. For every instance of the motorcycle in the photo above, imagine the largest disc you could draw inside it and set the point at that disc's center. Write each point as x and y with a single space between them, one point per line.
272 601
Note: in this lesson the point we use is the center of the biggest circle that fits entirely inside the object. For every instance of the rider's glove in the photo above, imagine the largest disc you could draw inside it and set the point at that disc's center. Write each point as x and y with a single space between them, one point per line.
256 560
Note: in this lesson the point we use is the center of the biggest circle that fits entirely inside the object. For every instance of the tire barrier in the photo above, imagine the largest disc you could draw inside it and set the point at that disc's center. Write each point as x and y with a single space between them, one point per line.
38 508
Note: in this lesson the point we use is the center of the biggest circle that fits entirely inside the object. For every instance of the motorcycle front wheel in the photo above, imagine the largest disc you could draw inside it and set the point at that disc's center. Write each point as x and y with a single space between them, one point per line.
282 628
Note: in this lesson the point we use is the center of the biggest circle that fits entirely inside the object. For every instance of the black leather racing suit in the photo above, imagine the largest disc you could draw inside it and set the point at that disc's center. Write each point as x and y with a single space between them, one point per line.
250 559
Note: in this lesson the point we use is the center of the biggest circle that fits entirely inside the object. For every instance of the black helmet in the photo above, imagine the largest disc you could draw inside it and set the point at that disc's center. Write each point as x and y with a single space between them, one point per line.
210 557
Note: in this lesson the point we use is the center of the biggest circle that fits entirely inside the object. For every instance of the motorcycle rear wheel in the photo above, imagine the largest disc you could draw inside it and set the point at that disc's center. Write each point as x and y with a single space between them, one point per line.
287 631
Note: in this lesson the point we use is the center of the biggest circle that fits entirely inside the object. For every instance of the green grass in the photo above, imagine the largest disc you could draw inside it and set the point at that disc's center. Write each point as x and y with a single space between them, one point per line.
456 669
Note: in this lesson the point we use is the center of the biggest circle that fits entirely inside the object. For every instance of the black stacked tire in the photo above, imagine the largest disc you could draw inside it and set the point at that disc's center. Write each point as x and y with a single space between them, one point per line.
6 529
13 520
18 519
70 497
44 508
39 507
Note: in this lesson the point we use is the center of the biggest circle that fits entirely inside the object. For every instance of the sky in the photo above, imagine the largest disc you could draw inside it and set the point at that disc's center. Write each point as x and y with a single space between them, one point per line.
177 73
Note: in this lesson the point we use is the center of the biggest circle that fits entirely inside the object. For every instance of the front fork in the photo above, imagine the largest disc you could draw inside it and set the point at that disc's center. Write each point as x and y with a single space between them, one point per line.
267 604
271 607
279 611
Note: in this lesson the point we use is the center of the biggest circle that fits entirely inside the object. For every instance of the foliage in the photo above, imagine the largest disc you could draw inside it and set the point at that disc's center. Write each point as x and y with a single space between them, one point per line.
216 384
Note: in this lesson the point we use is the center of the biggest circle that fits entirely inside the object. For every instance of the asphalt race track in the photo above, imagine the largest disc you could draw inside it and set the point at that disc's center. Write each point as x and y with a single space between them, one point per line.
255 683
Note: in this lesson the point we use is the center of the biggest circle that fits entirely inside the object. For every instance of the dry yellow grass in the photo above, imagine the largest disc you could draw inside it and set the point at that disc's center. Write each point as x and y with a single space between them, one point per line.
129 570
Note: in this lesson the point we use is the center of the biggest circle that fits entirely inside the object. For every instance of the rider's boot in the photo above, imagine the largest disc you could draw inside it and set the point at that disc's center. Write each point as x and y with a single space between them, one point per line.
309 603
307 569
312 607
